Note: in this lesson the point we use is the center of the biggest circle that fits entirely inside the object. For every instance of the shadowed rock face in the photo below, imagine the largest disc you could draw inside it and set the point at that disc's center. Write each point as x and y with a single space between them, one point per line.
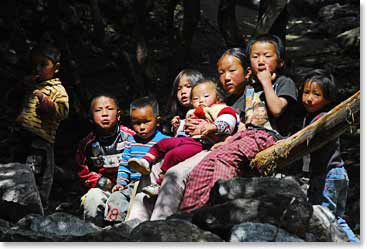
259 232
278 201
18 192
173 230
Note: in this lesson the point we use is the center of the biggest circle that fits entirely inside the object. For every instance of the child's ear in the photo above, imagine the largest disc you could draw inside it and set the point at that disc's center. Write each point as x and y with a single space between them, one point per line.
248 73
281 63
158 118
57 67
118 115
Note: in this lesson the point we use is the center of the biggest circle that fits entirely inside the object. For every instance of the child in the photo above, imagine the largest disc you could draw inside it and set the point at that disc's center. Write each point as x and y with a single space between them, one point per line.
98 159
144 114
45 104
222 121
329 179
277 92
180 98
232 68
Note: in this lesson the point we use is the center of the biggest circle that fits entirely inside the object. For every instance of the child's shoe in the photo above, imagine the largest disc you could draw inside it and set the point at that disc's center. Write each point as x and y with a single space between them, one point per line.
152 190
140 165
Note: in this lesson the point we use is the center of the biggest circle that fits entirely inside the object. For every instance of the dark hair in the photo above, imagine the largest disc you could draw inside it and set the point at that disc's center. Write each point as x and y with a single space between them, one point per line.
218 89
325 80
48 51
193 76
144 102
240 54
273 39
98 95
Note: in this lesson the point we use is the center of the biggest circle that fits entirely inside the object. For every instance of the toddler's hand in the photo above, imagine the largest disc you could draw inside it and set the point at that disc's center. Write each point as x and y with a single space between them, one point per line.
117 188
39 94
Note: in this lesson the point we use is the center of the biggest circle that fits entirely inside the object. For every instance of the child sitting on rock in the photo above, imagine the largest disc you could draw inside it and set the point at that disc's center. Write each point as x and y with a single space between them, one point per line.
221 120
329 179
144 114
98 157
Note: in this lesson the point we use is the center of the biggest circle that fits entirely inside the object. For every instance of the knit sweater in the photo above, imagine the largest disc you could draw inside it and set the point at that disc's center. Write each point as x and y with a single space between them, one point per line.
43 118
134 149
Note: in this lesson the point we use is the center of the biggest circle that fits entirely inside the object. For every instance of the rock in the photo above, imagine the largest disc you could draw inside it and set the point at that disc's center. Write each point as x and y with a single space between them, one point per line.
58 224
61 227
18 190
173 230
350 39
334 11
117 233
260 199
323 227
241 187
259 232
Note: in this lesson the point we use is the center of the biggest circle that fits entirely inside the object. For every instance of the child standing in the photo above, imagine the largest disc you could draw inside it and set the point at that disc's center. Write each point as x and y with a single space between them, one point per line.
98 157
45 104
221 122
144 114
277 92
180 98
329 179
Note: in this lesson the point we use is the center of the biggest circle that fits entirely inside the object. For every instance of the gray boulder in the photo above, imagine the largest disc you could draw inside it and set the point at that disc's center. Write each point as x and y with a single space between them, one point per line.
18 192
323 227
259 232
172 230
278 201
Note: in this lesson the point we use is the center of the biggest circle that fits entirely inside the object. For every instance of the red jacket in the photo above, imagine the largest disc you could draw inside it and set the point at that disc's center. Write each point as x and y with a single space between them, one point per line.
88 173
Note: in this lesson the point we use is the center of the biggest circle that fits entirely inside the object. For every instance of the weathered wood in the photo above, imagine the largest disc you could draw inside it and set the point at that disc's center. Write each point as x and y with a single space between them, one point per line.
309 139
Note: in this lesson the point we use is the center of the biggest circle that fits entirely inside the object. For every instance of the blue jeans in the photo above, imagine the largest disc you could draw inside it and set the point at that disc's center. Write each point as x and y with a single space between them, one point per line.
335 197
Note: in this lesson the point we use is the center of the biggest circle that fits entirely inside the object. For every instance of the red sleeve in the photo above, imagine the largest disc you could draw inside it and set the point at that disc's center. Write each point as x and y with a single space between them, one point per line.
228 110
46 106
88 178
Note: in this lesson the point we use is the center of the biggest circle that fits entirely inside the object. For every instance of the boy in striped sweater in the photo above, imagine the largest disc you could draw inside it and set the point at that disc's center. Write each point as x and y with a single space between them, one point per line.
44 105
144 114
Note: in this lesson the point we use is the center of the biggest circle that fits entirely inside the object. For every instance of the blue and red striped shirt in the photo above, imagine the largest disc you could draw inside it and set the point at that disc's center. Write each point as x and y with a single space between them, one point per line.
134 149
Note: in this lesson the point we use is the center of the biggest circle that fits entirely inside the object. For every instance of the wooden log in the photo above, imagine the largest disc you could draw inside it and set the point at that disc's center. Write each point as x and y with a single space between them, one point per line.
310 138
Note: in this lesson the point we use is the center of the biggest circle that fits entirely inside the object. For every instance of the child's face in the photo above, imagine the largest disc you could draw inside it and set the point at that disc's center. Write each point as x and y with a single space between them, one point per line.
313 97
43 68
204 95
231 75
144 122
184 91
105 114
264 57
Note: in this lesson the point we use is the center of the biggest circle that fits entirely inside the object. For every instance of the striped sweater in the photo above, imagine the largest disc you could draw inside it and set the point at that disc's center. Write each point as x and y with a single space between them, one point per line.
44 118
134 149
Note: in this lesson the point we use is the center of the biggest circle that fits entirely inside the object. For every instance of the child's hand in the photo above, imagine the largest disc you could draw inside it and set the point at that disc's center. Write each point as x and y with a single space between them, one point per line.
265 76
117 188
175 122
192 126
39 94
207 128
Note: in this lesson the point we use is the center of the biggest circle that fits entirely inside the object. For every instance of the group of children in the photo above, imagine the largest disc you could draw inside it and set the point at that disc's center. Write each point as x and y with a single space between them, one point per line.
226 123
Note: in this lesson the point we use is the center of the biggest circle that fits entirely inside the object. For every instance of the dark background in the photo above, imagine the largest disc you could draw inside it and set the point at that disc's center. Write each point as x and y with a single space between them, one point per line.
98 47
